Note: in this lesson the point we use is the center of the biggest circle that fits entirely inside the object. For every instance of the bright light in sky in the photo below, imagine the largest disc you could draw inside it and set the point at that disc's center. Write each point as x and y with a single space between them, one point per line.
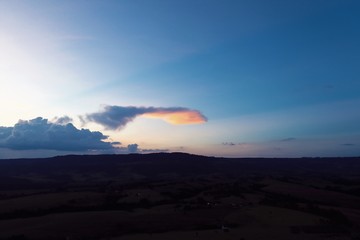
229 78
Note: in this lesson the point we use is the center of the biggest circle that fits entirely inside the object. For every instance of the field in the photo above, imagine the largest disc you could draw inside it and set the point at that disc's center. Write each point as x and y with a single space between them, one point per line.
179 196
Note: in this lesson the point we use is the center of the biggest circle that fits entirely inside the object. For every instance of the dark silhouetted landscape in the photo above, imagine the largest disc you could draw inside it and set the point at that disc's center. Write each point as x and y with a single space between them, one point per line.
179 196
111 110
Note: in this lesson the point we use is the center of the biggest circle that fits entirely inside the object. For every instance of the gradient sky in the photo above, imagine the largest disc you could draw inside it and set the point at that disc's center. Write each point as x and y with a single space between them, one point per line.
224 78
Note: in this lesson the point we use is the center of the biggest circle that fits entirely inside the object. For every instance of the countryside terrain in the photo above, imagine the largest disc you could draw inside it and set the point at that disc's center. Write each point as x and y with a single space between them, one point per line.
179 196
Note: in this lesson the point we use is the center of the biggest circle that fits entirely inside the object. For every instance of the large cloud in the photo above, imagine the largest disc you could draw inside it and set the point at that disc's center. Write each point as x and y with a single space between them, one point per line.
39 133
116 117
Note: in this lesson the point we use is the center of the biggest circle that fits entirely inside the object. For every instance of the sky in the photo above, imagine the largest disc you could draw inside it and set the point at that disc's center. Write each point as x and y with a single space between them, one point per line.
232 78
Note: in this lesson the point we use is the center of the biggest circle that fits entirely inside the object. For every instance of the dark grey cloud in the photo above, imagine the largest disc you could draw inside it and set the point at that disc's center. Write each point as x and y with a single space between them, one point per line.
40 133
62 120
133 148
348 144
234 144
116 117
154 150
288 139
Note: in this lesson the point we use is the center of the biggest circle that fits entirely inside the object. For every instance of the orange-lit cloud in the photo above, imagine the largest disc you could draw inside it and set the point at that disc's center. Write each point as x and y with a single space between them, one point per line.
116 117
178 117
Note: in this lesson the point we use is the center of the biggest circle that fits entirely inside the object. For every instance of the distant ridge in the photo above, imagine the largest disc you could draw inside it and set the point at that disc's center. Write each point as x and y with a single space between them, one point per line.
156 165
166 154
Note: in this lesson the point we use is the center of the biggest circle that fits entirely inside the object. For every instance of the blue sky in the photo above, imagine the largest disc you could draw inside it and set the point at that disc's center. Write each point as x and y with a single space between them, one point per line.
225 78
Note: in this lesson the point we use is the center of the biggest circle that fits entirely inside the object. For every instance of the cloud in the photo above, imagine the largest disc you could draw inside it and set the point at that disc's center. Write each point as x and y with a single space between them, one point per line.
288 139
116 117
39 133
234 144
348 144
178 116
133 148
154 150
62 120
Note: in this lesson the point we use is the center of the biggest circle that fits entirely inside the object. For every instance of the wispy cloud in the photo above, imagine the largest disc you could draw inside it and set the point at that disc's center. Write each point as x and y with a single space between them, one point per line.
231 144
288 139
348 144
116 117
